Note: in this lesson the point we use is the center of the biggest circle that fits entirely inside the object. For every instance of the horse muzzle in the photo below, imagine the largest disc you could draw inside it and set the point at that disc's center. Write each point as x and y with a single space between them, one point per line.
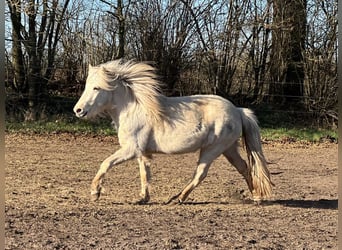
80 113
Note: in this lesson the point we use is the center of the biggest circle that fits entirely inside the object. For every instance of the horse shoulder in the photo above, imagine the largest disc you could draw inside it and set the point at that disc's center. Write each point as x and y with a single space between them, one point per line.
134 132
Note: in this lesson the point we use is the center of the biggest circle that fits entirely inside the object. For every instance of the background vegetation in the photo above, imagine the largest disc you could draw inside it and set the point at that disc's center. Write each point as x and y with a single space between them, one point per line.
277 57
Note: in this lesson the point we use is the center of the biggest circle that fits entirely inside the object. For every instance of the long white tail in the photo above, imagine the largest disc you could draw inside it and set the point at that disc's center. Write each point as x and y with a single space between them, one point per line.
258 179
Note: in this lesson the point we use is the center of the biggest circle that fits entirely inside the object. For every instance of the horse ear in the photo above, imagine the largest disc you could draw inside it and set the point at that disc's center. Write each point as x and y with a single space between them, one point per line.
103 69
89 65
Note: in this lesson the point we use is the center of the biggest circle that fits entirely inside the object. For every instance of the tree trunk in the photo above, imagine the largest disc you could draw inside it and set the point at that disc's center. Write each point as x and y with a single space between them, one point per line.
39 20
121 20
19 83
288 45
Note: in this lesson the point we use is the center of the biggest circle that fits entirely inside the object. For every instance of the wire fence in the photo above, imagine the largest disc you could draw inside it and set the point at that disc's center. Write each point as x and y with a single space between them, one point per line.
59 104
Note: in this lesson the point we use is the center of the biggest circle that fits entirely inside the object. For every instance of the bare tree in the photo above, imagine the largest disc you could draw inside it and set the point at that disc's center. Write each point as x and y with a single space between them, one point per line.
36 28
120 16
231 45
228 37
257 63
287 55
19 79
321 61
244 50
160 33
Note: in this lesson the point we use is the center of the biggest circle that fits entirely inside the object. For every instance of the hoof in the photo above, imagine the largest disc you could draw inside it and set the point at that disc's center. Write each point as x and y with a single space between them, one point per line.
95 195
257 200
141 202
174 201
144 199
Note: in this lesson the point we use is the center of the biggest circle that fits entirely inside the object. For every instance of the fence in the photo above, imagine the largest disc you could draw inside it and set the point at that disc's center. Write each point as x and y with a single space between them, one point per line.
60 103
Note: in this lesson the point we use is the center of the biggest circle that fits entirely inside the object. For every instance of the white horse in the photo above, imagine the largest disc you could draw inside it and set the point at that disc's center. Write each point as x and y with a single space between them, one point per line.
148 122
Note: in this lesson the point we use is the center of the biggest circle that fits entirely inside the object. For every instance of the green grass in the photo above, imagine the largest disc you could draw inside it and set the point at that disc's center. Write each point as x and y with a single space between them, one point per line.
292 126
103 127
62 126
299 134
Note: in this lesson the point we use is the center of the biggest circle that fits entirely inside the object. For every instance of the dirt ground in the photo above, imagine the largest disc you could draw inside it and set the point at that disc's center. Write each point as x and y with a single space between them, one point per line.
48 205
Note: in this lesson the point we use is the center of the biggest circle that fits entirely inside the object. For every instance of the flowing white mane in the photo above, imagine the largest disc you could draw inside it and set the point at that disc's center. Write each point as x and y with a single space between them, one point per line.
140 78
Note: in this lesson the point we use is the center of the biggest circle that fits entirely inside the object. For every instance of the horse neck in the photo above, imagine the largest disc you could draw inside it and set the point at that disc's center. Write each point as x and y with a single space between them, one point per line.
122 102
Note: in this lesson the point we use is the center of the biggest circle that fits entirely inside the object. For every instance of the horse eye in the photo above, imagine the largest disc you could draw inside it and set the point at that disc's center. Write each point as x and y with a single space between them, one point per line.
96 88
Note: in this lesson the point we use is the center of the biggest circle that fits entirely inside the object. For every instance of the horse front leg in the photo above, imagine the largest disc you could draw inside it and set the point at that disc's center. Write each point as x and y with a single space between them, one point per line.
145 176
118 157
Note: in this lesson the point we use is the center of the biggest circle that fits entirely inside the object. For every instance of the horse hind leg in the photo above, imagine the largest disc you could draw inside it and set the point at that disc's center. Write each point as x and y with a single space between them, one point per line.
145 176
206 158
233 156
200 174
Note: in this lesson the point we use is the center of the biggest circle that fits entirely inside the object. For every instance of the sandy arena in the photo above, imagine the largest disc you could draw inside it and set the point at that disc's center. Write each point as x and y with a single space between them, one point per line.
48 199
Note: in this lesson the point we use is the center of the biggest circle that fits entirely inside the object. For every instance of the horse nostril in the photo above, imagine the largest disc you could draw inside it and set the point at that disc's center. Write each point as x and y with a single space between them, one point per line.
80 112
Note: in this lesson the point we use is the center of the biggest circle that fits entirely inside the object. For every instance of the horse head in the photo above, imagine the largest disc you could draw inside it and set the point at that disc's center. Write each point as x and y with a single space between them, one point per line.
97 95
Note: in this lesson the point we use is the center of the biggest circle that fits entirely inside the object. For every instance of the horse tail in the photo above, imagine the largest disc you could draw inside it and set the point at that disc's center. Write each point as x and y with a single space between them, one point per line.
258 176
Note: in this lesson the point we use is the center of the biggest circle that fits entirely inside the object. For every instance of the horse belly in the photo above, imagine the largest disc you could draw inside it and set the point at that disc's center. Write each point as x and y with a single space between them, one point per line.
178 142
177 145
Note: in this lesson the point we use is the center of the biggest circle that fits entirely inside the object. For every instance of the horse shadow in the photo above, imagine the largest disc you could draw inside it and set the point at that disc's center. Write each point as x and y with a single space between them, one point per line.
318 204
